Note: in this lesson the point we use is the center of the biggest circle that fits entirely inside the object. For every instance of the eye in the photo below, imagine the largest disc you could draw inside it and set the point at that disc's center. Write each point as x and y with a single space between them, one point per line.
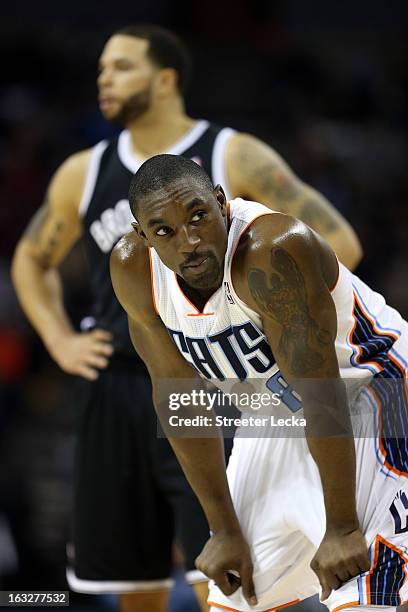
200 214
163 231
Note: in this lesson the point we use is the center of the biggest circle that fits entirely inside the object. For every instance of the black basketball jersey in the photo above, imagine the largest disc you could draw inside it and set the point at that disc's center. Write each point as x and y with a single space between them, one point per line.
106 214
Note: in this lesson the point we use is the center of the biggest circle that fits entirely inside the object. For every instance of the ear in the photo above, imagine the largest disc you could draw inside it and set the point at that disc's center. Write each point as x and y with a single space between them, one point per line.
221 199
166 81
140 232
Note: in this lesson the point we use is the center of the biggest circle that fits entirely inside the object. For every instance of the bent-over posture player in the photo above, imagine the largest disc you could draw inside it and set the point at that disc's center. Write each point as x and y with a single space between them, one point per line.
236 292
129 482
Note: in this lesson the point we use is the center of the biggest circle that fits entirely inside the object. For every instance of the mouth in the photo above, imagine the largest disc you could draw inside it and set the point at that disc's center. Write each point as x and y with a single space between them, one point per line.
197 268
106 102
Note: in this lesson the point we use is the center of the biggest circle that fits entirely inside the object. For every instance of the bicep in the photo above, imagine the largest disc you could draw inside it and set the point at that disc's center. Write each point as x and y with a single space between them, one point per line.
298 313
56 225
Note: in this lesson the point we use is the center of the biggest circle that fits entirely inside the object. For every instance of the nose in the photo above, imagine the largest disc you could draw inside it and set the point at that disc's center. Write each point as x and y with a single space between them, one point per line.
104 78
188 240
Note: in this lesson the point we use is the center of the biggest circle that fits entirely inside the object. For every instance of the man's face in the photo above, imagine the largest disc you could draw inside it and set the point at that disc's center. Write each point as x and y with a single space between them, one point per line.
186 225
125 79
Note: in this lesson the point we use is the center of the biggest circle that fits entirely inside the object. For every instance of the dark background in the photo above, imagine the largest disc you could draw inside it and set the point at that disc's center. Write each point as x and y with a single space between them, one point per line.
325 83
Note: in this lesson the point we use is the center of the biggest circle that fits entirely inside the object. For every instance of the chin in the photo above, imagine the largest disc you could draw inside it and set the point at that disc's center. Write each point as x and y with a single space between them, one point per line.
202 282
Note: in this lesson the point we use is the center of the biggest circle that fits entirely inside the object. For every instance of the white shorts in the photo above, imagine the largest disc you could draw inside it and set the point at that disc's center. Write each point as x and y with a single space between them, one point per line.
277 494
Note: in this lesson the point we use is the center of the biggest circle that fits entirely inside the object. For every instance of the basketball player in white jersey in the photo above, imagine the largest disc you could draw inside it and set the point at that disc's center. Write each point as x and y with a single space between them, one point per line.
237 292
142 77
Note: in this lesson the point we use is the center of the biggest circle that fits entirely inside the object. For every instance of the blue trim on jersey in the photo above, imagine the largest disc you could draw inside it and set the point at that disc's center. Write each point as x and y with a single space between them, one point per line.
383 470
378 324
387 578
399 357
360 591
388 385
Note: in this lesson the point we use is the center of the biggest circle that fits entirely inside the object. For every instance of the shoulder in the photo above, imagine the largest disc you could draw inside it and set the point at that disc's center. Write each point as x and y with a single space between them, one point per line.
276 230
277 242
130 273
68 182
75 165
243 146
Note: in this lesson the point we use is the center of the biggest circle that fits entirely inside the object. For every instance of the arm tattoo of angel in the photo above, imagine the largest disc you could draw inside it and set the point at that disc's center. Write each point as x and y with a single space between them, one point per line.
284 299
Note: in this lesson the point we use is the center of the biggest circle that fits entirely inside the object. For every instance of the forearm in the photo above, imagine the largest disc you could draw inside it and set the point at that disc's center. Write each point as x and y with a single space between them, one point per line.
202 460
335 459
331 444
40 294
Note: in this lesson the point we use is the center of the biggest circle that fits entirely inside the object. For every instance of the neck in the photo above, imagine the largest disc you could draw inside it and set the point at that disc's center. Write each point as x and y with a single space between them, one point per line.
199 297
157 130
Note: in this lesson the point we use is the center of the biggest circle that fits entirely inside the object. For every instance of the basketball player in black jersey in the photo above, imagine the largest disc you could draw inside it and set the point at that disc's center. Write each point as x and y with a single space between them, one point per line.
131 498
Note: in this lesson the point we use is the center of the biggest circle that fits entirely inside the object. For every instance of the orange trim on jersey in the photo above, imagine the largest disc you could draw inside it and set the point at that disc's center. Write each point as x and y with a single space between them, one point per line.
290 603
263 214
200 314
221 607
152 283
381 333
346 605
399 552
394 548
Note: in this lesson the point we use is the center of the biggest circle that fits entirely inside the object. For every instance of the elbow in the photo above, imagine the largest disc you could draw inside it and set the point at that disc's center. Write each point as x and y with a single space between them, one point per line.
354 254
348 249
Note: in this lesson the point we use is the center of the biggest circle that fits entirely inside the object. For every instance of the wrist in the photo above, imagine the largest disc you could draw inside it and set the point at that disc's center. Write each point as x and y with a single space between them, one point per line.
342 525
54 339
226 524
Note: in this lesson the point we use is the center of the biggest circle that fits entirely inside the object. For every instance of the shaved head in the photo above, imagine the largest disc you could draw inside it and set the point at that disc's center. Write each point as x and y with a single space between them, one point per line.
160 171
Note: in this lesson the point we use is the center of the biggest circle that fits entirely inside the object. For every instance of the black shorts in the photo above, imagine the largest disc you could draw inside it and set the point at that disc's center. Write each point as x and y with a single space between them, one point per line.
131 499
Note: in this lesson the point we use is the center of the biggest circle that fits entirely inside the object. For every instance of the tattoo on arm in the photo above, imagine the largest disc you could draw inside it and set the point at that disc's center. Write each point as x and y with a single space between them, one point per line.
35 229
286 193
284 298
313 214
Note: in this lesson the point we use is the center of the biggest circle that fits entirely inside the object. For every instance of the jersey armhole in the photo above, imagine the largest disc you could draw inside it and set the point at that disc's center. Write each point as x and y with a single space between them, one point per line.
218 162
152 282
91 176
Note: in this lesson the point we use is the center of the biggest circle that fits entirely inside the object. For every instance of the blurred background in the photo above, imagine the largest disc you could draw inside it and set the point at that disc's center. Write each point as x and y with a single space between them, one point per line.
324 83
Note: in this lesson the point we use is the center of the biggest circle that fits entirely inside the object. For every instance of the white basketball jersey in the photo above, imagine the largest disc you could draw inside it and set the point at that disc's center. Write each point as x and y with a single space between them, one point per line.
225 339
225 342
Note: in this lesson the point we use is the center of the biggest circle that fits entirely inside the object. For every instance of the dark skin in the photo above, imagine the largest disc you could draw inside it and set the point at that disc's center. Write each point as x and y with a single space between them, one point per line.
284 272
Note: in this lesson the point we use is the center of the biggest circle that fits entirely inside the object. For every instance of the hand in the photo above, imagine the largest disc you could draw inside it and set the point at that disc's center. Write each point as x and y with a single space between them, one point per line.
340 557
227 552
83 353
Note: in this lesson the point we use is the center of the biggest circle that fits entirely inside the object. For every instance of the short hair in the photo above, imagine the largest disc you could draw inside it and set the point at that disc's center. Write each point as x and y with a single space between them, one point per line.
165 50
161 170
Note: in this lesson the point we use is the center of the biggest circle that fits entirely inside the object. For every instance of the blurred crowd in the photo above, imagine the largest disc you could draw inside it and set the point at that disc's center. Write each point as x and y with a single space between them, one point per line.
328 91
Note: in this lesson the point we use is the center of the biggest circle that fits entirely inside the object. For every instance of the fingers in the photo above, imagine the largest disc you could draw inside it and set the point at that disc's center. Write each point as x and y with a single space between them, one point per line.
96 361
86 372
326 590
227 582
363 563
247 583
333 577
101 342
101 335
